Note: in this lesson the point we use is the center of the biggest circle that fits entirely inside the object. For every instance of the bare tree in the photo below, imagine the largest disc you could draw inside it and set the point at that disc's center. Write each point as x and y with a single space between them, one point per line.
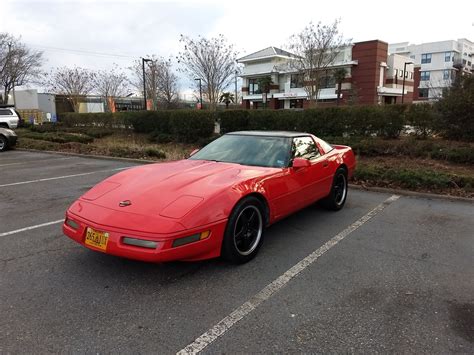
316 49
161 81
19 65
339 76
167 84
211 60
111 83
74 83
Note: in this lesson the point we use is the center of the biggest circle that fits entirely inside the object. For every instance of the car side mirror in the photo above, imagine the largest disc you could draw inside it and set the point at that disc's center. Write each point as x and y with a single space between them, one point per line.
193 152
299 163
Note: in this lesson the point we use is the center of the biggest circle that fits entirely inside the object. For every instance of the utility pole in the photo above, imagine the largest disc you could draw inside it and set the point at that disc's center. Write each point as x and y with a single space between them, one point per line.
144 81
200 91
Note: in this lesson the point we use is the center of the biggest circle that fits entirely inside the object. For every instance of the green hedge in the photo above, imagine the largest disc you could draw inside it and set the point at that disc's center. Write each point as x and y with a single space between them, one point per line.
187 126
191 126
385 121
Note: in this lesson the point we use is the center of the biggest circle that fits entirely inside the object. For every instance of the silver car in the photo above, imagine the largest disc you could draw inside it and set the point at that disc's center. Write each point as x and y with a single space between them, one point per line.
7 139
9 118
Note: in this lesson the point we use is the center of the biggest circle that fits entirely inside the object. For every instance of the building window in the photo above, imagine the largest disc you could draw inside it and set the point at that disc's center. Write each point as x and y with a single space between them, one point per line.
426 58
400 73
327 81
253 87
424 75
296 81
446 74
296 103
412 56
447 56
424 93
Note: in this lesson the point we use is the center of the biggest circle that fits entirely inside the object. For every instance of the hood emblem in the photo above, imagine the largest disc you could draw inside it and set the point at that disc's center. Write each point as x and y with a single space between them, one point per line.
125 203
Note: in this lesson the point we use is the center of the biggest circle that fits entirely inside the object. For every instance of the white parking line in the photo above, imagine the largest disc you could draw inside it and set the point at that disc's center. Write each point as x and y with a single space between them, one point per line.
35 161
31 227
238 314
62 177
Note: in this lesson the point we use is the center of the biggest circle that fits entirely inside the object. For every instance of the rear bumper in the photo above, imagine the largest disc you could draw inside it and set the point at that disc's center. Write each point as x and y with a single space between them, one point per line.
199 250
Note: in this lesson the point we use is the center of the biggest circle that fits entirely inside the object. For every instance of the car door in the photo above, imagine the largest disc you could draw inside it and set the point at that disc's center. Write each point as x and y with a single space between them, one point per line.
299 186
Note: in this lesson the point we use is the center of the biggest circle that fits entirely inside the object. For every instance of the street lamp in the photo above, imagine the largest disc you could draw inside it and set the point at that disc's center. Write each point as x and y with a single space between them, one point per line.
235 99
404 76
144 79
200 91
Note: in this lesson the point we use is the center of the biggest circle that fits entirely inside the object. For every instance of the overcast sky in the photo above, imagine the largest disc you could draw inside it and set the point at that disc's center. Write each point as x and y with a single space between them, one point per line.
79 32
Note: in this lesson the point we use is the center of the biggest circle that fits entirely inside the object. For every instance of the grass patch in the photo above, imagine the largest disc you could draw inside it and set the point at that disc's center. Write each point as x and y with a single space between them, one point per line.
438 149
415 176
59 137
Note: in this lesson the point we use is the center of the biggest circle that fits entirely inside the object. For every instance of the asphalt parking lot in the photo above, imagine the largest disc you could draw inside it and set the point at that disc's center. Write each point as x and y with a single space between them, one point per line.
387 274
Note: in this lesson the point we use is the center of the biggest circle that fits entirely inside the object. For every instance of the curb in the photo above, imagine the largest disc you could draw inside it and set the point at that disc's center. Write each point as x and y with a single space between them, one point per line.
409 193
103 157
352 186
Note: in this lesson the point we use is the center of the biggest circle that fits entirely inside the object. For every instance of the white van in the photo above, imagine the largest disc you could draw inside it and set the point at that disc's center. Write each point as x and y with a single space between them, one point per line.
9 118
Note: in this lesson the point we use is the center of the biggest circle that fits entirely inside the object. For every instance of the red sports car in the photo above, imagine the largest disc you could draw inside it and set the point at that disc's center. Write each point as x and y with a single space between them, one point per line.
216 203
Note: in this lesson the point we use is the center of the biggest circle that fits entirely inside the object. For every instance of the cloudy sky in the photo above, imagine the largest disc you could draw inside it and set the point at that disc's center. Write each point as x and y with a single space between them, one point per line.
96 34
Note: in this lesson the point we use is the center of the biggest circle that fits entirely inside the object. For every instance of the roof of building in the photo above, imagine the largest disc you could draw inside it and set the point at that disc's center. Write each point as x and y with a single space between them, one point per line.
266 53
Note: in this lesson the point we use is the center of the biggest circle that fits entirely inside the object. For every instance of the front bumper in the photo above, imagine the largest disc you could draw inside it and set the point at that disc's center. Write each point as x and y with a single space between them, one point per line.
199 250
12 140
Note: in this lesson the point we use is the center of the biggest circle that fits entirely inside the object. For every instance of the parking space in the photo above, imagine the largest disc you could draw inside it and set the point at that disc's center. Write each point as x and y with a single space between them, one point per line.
399 280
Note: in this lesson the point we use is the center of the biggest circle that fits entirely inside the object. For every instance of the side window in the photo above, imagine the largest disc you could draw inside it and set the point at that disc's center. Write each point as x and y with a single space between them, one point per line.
304 147
6 112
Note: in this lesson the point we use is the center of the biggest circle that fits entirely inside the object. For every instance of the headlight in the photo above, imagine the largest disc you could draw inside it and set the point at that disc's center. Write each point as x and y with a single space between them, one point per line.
191 239
74 225
140 243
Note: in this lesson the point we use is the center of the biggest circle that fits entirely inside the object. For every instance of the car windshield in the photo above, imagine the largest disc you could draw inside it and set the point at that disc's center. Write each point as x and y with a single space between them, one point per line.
247 150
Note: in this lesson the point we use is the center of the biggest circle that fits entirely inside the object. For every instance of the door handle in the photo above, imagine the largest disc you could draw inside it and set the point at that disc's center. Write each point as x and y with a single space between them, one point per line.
325 164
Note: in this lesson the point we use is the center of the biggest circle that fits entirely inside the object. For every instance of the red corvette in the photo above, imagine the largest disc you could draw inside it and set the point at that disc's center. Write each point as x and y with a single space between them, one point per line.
217 202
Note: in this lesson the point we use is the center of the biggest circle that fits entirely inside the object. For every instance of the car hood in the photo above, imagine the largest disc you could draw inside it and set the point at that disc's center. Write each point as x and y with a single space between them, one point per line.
171 189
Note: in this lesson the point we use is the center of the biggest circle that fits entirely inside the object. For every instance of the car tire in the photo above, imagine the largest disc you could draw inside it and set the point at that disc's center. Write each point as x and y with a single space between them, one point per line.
3 143
243 236
337 197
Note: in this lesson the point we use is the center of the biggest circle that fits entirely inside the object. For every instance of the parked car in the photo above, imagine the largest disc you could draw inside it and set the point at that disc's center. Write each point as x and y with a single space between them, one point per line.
7 139
216 203
9 118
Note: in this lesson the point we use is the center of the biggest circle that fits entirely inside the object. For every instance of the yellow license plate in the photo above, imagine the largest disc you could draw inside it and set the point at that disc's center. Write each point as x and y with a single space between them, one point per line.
97 239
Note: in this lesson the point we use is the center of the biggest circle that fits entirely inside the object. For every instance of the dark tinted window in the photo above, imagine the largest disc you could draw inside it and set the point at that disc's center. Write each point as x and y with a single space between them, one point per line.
4 112
304 147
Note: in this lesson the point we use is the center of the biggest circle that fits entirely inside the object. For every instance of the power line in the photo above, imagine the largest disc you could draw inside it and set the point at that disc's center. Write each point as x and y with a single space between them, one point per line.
84 52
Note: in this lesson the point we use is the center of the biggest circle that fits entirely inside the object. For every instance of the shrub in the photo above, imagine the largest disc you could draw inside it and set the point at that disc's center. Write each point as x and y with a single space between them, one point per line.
189 126
456 110
148 121
422 119
155 153
233 120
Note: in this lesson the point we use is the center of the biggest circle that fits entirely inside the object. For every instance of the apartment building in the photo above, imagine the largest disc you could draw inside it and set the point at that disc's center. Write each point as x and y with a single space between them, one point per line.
372 77
438 63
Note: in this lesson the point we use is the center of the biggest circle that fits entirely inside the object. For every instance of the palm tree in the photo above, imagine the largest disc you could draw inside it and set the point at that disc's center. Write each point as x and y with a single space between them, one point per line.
264 84
339 76
227 98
